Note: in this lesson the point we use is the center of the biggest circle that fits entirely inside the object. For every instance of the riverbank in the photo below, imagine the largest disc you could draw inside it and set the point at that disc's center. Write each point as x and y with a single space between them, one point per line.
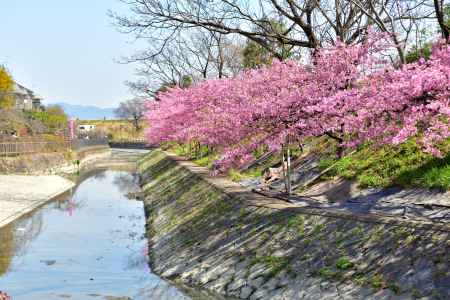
38 248
86 245
21 194
30 181
211 232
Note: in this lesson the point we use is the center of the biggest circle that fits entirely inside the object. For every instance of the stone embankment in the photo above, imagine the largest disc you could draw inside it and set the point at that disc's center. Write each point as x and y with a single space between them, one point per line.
52 163
213 233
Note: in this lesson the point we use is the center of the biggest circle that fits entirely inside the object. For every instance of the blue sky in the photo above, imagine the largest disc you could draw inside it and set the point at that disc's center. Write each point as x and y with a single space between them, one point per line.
65 50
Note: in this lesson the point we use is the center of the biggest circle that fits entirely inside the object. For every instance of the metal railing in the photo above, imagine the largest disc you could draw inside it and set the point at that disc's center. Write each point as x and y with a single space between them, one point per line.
26 147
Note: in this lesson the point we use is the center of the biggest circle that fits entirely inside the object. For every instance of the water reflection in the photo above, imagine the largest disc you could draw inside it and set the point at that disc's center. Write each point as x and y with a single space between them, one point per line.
7 248
15 238
90 245
70 205
128 184
102 175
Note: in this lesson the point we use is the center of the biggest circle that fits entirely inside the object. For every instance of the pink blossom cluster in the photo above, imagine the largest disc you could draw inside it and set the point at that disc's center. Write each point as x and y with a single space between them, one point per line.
348 92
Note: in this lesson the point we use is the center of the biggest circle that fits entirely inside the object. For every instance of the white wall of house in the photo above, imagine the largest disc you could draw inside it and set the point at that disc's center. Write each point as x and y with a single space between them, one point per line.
86 127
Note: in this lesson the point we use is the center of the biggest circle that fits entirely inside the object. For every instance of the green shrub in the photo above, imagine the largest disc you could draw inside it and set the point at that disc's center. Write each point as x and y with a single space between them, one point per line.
53 118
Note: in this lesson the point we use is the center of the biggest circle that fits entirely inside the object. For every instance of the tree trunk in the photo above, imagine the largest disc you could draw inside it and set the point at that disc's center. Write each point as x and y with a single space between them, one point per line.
136 124
289 186
284 167
340 148
198 153
286 164
440 17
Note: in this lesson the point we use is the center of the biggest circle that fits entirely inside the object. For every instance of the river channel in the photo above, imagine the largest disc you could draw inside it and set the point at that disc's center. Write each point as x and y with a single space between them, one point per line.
89 244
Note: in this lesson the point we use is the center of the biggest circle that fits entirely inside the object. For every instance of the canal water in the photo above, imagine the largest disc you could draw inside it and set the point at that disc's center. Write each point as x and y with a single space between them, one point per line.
88 245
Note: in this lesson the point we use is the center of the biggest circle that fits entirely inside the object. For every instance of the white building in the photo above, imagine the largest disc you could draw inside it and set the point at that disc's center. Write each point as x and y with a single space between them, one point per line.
86 127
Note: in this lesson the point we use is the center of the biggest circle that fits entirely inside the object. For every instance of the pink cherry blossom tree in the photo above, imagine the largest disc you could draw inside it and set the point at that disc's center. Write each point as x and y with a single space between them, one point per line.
347 93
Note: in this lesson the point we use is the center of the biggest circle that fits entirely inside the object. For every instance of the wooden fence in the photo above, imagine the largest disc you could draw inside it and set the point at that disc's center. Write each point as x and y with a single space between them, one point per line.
13 148
18 147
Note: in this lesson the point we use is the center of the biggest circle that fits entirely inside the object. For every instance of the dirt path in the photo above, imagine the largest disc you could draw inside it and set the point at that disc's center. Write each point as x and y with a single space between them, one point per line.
336 210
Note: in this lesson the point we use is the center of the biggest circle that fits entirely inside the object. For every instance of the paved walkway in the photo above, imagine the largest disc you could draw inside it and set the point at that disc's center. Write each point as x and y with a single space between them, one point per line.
20 195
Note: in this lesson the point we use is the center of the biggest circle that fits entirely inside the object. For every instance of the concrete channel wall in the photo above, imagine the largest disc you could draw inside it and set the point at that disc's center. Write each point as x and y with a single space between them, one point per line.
30 181
209 232
20 194
52 163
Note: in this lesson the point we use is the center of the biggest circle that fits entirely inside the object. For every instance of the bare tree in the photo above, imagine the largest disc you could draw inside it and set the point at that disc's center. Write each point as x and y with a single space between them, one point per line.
199 54
132 110
191 37
396 17
162 20
308 23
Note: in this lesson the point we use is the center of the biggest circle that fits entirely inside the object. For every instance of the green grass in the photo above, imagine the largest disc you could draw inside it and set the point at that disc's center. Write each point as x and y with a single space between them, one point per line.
275 264
405 165
256 171
205 158
328 273
344 263
199 155
206 161
237 176
297 223
180 150
377 282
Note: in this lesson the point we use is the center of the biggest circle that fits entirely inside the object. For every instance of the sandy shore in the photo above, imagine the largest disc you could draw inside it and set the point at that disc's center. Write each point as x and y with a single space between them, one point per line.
21 194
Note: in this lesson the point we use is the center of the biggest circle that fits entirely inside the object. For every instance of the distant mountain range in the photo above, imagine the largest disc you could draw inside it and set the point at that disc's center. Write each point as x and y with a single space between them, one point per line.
87 112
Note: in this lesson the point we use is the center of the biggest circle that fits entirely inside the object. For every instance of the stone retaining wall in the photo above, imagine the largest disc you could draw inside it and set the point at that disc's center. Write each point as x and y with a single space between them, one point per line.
52 163
43 163
207 235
